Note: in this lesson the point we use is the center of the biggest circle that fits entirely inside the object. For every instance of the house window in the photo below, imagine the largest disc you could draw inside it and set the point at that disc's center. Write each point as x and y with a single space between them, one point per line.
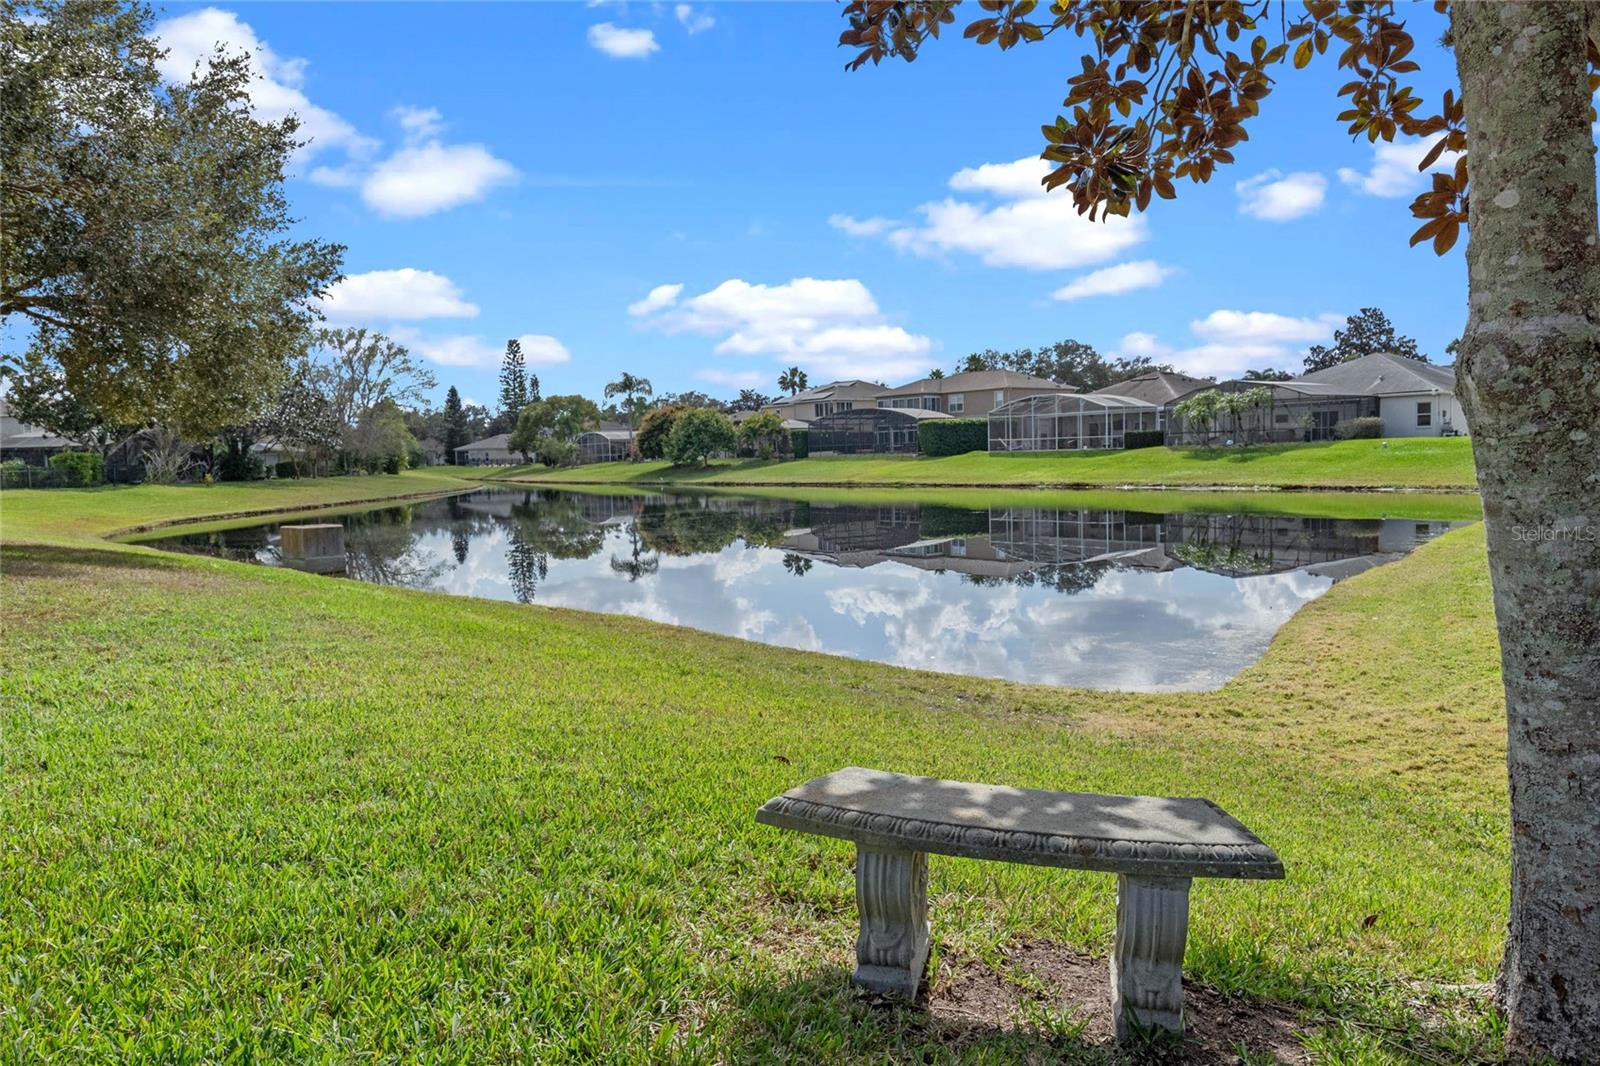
1425 414
999 397
956 402
817 407
1282 418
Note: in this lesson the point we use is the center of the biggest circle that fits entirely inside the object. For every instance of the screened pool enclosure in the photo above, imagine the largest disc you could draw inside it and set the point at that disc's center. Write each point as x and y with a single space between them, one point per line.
1063 422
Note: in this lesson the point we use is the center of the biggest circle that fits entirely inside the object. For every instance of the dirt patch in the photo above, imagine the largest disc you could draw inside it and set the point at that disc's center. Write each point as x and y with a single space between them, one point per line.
1041 986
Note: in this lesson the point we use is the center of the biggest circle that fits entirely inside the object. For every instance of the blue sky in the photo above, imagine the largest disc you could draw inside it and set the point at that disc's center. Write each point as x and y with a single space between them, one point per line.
703 195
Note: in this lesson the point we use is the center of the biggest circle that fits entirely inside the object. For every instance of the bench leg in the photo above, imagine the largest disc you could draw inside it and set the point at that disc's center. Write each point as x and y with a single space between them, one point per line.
1147 957
892 896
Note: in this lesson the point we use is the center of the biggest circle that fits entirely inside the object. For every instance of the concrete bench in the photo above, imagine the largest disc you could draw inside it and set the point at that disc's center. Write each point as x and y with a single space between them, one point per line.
1155 847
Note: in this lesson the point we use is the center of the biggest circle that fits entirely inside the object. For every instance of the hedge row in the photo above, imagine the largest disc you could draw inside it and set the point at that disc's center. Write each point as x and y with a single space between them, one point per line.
800 440
953 436
1143 438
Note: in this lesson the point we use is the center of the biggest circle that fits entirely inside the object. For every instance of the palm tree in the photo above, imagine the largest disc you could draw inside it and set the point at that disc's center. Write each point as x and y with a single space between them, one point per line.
792 380
629 386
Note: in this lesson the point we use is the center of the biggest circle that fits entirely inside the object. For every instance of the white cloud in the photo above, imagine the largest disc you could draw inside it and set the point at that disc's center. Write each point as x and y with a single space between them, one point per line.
471 350
395 295
691 20
1139 343
861 227
620 43
831 328
1233 342
733 379
1274 196
1017 180
192 38
1124 277
1264 327
419 123
421 179
1027 228
1394 168
658 298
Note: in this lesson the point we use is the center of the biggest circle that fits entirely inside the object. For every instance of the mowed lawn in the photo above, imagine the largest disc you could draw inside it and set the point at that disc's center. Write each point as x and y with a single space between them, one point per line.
253 815
1422 463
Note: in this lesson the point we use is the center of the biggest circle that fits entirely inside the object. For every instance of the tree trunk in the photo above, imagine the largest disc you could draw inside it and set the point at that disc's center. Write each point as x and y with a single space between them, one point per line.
1529 380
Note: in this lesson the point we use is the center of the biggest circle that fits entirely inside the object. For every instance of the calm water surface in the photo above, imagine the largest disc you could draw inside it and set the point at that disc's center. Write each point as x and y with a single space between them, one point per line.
1092 598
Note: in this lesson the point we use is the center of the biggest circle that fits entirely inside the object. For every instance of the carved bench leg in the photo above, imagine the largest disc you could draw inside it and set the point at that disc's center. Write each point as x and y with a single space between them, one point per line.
1147 957
892 896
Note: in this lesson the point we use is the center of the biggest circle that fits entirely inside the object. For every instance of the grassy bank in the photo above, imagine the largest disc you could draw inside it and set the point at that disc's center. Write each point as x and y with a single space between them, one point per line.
257 814
1424 463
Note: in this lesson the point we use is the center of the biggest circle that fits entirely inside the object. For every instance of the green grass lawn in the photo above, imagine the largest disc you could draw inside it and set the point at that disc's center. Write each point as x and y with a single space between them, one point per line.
1422 463
253 814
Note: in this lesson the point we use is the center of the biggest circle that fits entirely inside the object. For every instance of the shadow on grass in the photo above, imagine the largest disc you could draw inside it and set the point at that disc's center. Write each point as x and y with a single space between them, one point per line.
50 561
1041 1002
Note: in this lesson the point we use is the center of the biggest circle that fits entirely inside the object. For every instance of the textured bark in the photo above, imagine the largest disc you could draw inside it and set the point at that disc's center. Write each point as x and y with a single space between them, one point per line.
1529 380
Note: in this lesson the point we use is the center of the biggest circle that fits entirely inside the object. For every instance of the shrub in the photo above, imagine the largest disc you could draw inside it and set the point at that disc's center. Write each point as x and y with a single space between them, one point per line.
800 442
556 452
1359 429
393 464
1143 438
654 429
698 434
240 465
763 435
287 468
953 436
79 469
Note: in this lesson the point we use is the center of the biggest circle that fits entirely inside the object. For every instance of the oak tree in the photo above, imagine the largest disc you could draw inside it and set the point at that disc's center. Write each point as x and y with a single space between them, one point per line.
144 253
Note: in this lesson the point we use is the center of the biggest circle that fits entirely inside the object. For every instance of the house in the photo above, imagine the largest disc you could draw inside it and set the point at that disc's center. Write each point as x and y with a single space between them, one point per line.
826 399
27 443
1292 411
605 445
972 394
881 430
1159 387
490 451
1067 421
1415 399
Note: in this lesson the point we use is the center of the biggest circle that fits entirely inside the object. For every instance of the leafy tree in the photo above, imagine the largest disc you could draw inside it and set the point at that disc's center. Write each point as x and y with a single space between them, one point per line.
455 425
1199 410
131 213
798 565
1164 94
380 439
936 373
1364 333
751 400
699 433
763 434
654 429
360 369
691 398
551 428
792 380
1067 362
634 390
514 394
1268 374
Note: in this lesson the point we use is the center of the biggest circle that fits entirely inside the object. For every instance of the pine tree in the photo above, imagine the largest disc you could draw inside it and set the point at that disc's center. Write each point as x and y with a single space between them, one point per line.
513 381
455 424
533 387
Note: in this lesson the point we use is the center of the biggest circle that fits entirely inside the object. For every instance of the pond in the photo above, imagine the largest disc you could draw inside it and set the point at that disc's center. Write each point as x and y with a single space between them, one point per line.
1095 598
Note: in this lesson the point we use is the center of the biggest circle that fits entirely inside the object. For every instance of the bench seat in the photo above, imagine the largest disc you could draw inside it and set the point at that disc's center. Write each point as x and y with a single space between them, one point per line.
1154 845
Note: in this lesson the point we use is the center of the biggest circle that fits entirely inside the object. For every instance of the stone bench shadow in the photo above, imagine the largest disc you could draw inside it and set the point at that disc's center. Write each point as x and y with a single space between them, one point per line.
975 1012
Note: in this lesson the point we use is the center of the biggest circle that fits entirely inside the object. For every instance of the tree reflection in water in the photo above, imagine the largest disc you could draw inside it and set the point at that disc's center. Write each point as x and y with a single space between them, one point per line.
638 564
542 526
381 547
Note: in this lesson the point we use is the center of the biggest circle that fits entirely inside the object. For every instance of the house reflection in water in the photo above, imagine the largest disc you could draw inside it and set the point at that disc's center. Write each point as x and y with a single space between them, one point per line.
1067 596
